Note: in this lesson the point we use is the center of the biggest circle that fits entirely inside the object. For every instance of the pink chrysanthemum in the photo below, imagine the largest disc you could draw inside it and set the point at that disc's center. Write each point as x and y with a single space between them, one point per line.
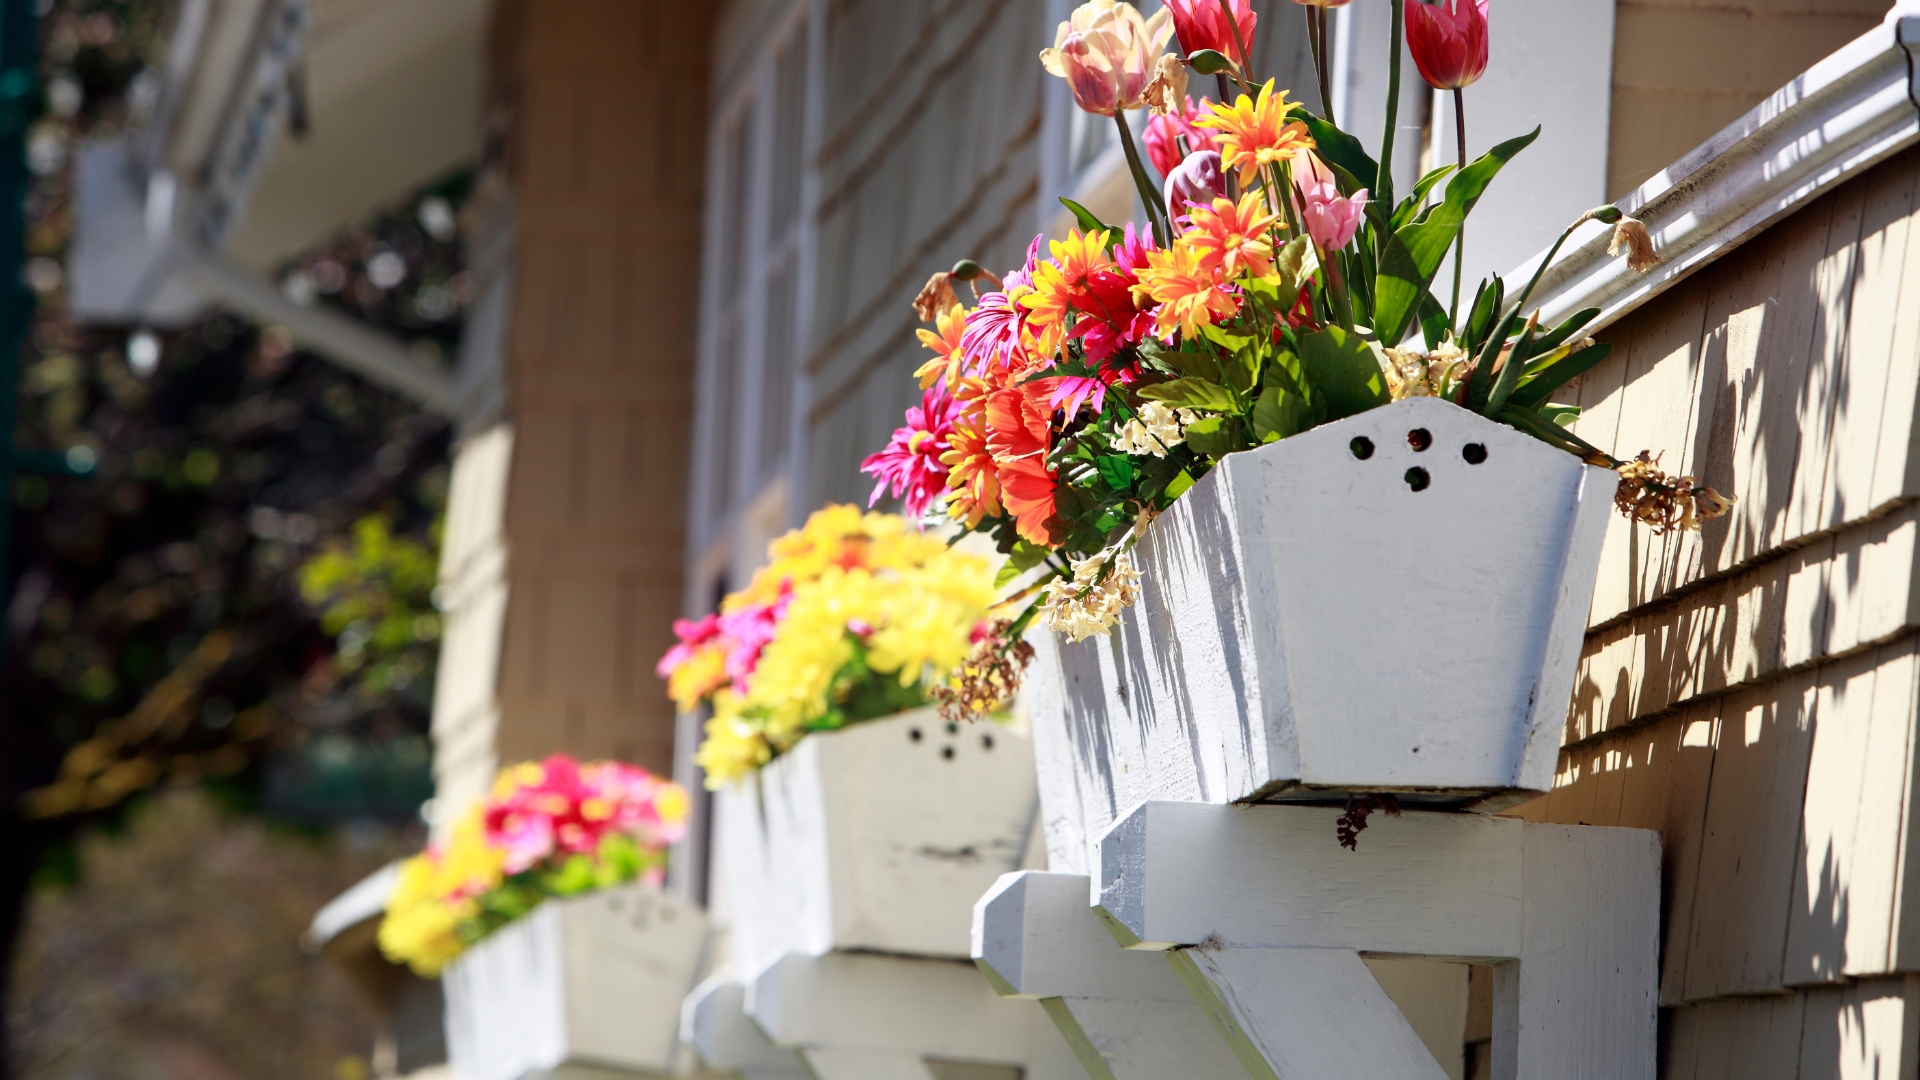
910 464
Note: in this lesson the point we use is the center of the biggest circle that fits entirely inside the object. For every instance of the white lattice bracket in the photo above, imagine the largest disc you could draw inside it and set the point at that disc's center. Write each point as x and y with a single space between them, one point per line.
714 1022
1126 1014
870 1016
1270 917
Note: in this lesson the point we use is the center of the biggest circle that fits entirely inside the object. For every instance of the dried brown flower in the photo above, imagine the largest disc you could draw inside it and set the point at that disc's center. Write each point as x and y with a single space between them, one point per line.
1666 503
937 298
1354 821
1167 93
987 678
1630 234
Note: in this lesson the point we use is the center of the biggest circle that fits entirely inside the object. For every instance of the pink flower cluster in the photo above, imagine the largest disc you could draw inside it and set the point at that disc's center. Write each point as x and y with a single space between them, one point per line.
568 809
743 634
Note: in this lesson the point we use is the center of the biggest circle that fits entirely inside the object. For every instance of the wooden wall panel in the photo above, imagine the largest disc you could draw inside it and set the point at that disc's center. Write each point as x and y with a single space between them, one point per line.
604 163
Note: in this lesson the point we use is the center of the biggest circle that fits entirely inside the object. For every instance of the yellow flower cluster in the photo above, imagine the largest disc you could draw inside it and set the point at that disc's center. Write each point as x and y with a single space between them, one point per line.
436 895
860 583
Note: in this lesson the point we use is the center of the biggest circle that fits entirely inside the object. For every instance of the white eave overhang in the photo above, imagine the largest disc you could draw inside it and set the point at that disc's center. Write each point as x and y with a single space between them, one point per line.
1849 112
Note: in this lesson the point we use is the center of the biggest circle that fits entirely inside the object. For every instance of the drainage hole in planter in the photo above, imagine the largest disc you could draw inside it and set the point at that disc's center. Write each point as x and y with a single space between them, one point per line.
947 752
986 742
953 728
1362 447
1417 478
1475 453
914 734
1419 438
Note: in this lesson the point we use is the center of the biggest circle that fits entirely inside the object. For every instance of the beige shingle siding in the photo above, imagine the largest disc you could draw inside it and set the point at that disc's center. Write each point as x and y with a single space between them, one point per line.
1683 69
607 137
1750 690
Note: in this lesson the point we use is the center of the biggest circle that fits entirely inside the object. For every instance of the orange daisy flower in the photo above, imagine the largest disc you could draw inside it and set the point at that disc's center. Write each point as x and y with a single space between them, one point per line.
948 357
1254 134
1232 239
1185 287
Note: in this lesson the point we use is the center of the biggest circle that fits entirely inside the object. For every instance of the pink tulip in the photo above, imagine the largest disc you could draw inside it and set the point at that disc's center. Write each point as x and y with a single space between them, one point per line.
1200 24
1196 180
1107 53
1330 219
1163 131
1448 41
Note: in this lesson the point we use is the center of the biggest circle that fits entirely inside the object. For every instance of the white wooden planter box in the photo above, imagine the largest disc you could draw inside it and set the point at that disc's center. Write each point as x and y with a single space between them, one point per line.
876 837
579 987
1311 624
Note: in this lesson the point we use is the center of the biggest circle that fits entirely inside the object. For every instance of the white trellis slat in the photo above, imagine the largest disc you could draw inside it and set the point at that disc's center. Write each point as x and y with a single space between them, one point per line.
714 1022
1268 916
1310 624
878 836
590 983
1126 1014
867 1016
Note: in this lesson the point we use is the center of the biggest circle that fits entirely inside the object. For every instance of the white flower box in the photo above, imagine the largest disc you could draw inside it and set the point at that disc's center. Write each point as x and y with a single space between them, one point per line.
1310 624
580 986
876 837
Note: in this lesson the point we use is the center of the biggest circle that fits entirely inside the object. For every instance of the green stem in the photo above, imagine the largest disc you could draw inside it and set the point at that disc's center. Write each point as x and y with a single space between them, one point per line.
1383 183
1326 79
1460 241
1245 71
1156 213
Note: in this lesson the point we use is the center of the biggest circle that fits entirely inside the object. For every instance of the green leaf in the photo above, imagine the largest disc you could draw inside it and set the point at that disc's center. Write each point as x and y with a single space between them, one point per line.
1178 486
1533 393
1510 372
1544 429
1116 470
1280 413
1562 415
1215 436
1412 254
1091 224
1433 321
1341 150
1487 302
1220 336
1411 206
1564 332
1209 62
1295 262
1343 372
1025 557
1192 394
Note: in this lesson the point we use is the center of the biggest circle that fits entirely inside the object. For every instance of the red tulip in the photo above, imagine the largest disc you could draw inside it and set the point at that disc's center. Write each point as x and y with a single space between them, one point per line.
1200 24
1448 41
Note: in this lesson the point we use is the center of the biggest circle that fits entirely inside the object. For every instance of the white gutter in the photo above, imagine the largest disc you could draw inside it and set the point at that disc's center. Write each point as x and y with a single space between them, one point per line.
367 899
1848 113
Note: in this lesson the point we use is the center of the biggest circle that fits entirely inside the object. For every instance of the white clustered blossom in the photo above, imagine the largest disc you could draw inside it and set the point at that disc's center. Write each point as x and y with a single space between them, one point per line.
1157 429
1087 605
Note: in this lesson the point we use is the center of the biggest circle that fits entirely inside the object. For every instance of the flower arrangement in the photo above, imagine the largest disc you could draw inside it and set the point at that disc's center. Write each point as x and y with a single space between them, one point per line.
856 616
1280 284
553 828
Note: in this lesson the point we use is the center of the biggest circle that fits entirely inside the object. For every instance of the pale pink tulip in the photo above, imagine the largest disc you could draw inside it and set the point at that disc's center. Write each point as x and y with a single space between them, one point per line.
1107 54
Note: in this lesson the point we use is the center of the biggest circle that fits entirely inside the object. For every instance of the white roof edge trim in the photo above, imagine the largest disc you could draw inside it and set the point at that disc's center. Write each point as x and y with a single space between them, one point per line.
1847 113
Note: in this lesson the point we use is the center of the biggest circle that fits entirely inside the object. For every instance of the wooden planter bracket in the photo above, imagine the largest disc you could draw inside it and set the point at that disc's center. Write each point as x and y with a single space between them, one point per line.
1263 919
872 1016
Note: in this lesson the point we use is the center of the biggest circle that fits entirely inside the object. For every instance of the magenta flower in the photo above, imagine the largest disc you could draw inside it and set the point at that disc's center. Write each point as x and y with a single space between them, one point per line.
747 632
910 462
692 636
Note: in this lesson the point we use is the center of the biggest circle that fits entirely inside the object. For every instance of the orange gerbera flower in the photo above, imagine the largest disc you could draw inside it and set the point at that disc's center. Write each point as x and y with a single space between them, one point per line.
1254 134
1079 256
1232 239
1019 432
1185 287
1048 305
948 355
973 483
